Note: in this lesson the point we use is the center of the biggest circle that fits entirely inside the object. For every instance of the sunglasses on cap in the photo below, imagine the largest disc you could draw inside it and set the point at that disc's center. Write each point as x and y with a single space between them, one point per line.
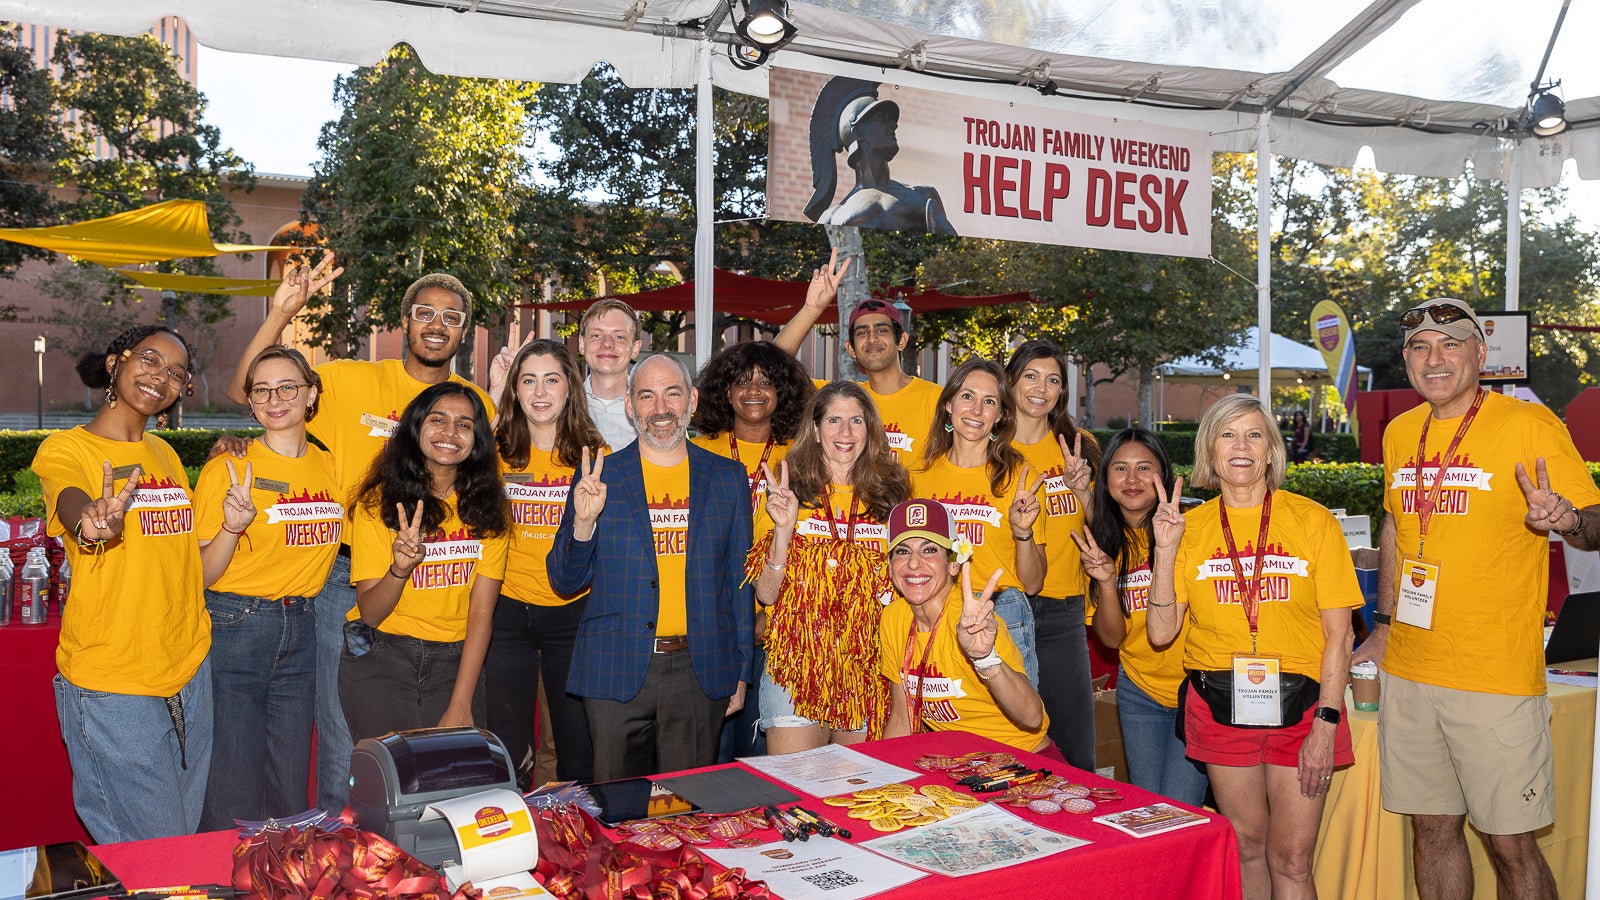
1440 313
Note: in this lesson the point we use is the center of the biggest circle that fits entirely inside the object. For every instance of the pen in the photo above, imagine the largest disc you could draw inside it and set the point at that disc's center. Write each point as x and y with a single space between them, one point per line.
780 824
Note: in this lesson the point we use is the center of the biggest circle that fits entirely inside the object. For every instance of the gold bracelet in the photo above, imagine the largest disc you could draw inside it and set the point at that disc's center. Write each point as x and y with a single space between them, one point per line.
1152 603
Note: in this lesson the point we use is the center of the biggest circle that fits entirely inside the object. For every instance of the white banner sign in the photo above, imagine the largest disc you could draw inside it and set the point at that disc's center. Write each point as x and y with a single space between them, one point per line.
851 152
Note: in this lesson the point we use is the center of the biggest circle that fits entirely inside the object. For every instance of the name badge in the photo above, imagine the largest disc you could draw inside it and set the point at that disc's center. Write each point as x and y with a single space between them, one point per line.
519 478
1419 588
380 426
267 484
1256 684
121 473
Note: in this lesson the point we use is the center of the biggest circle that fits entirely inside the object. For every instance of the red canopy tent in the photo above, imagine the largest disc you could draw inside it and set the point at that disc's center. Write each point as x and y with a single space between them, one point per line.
772 301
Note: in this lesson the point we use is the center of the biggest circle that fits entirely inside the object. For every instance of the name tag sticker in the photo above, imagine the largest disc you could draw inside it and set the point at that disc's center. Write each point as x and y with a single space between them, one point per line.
1419 588
267 484
120 473
380 426
1256 683
519 478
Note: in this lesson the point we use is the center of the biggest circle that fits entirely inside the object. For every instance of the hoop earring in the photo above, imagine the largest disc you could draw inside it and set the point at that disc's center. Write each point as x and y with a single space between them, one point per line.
994 436
949 426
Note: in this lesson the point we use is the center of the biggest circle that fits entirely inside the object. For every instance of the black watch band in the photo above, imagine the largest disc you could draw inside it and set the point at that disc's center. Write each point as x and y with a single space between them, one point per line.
1379 618
1327 714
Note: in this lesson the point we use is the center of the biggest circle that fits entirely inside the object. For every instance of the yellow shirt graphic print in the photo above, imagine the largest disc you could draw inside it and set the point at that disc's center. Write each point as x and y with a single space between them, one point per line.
162 506
667 496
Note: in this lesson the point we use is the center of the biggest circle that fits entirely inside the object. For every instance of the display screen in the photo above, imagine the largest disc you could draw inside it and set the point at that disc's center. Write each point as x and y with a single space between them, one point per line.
54 870
636 798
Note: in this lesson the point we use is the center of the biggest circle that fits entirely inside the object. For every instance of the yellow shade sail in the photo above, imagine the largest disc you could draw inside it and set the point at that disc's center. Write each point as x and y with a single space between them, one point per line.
202 284
174 229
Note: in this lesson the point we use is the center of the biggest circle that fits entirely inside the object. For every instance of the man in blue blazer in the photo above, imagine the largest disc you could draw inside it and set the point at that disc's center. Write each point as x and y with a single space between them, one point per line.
658 533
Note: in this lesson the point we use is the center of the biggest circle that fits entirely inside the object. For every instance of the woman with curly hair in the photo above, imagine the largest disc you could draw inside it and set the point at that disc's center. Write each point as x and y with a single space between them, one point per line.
544 429
134 689
970 465
823 572
428 551
1053 446
752 400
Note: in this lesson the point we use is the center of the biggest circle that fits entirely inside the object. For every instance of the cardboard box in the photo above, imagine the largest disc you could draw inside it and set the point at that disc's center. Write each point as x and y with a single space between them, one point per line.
1109 759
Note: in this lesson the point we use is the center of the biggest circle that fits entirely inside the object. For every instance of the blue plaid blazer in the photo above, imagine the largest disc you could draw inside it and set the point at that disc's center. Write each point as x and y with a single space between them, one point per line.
618 564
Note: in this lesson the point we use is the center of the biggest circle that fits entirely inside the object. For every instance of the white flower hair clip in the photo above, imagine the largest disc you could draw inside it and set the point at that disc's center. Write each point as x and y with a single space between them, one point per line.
962 548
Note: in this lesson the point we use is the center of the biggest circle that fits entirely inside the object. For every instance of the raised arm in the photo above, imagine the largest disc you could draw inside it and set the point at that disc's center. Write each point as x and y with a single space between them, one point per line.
821 294
299 283
1163 613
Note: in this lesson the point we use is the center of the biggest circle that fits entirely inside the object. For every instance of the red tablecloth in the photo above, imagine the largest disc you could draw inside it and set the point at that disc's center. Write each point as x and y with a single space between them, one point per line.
1198 862
37 780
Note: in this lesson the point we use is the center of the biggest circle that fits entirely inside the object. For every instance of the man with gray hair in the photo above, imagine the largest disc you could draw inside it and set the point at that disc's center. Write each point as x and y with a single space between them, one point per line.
658 533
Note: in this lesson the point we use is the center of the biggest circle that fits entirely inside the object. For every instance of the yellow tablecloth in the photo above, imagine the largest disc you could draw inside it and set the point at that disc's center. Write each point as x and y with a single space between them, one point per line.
1364 851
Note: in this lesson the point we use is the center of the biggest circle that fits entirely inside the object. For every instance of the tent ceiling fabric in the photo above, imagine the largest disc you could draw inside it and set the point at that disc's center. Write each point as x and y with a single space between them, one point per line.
1292 363
1427 84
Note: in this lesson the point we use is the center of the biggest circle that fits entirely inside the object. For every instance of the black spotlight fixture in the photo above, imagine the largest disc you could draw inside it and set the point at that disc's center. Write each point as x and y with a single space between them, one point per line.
765 24
1547 113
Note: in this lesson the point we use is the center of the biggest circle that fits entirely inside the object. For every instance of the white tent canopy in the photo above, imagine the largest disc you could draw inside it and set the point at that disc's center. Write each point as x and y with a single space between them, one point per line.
1293 364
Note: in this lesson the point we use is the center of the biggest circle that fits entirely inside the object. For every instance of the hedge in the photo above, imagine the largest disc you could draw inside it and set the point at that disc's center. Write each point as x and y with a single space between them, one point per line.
191 444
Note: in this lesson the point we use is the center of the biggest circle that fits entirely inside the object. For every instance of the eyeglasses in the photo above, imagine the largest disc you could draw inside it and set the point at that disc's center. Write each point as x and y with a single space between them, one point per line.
452 318
1440 313
284 392
153 363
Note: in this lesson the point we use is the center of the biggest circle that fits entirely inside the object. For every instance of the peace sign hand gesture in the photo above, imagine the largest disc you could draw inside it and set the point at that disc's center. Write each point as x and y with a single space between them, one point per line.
408 549
1077 471
238 509
978 627
824 287
589 494
1546 508
101 520
1167 518
782 504
300 282
1025 506
1096 564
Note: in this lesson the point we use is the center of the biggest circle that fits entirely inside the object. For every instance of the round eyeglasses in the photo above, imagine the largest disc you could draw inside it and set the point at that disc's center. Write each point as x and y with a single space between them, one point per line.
284 392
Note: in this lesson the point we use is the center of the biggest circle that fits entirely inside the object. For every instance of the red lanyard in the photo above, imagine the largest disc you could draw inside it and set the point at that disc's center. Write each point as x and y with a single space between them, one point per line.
922 667
850 520
1249 594
1427 503
755 476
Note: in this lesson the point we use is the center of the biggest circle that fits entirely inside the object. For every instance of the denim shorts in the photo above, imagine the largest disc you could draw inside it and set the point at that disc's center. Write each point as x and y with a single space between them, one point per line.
777 707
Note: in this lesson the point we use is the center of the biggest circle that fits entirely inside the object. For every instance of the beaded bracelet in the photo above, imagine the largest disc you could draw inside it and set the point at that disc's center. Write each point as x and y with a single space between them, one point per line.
88 545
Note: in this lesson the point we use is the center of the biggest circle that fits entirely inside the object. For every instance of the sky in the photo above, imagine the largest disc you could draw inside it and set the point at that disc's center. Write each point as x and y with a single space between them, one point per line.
271 109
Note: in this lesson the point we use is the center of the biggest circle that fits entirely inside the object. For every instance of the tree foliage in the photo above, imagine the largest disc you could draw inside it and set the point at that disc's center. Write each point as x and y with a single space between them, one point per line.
29 140
421 173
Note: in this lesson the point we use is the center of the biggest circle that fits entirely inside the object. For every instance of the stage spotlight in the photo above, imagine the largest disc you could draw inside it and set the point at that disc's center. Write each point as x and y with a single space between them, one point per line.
1547 113
765 23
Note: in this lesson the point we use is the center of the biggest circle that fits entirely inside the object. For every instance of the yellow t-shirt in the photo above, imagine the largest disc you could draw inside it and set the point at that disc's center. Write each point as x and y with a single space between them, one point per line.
907 418
358 409
750 456
433 604
289 547
1059 516
1488 620
954 698
666 492
976 515
1159 673
137 622
1308 569
812 524
538 496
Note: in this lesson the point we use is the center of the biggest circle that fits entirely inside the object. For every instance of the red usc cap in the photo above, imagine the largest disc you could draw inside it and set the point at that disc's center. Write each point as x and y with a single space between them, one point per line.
874 307
920 518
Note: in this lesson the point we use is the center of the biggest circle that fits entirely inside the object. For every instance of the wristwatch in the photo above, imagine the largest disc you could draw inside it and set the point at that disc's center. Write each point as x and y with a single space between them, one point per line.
1379 618
1327 714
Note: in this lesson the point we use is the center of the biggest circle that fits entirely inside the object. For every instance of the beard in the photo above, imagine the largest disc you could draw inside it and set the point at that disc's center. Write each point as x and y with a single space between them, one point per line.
679 432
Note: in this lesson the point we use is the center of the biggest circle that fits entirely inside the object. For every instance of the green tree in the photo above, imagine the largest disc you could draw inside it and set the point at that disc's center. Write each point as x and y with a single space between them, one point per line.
421 173
30 143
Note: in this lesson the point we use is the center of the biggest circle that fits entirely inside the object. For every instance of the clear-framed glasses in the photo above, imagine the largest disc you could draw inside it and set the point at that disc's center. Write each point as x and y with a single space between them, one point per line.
452 318
153 363
284 392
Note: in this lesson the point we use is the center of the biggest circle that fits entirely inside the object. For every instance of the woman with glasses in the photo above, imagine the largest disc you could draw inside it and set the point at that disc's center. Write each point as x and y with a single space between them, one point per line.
427 554
544 429
134 689
261 577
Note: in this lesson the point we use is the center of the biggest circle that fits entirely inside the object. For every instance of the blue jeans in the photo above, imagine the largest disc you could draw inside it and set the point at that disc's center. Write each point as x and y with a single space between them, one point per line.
264 689
1065 685
741 732
338 597
130 780
1012 607
1155 755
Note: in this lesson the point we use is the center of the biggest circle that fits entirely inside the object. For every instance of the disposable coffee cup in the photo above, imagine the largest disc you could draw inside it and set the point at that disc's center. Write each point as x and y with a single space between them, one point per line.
1364 686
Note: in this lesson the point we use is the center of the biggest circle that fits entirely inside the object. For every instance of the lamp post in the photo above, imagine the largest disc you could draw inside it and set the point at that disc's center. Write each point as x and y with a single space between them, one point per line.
38 347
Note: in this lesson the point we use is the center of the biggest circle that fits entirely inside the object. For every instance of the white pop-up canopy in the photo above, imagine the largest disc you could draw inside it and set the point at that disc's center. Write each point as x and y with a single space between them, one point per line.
1293 364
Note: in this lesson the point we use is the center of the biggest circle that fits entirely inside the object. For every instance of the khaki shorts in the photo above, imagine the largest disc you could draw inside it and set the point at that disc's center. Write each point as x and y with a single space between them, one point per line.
1445 752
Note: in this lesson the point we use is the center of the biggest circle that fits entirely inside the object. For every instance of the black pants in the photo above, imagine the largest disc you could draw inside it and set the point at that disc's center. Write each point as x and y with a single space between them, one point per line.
669 725
1064 683
401 683
529 641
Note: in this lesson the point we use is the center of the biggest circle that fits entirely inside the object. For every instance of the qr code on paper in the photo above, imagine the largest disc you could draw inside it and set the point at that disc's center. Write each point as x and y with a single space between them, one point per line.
832 880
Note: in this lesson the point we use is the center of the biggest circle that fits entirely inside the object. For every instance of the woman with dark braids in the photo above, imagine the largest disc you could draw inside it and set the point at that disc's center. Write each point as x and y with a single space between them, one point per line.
134 689
428 553
752 398
544 429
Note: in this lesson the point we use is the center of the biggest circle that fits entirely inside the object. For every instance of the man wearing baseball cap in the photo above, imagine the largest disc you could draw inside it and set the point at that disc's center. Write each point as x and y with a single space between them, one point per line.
950 662
1464 729
875 334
